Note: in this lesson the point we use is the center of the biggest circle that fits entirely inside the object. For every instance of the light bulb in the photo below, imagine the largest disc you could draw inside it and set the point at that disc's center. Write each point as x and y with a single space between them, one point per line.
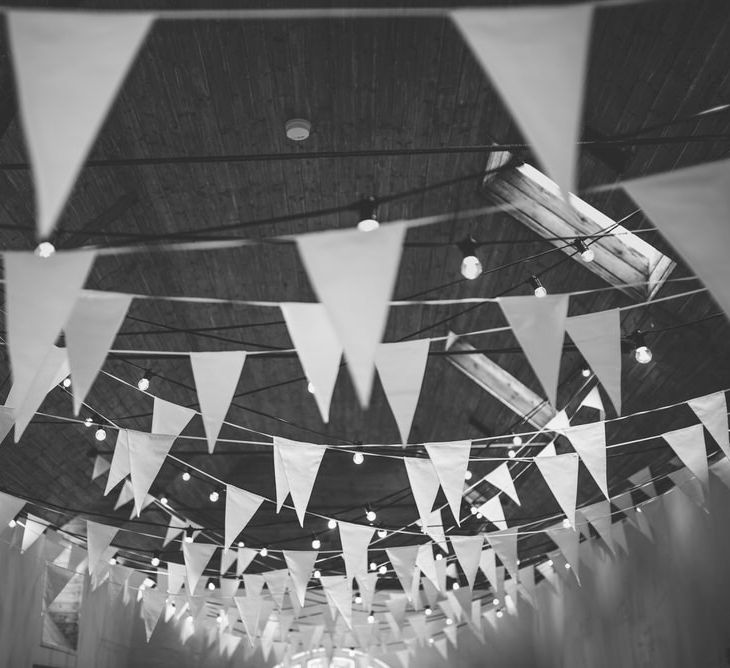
427 611
371 618
45 249
478 515
148 583
88 422
368 225
317 574
471 267
241 543
211 586
12 523
316 544
310 388
549 562
112 561
643 355
468 475
499 614
143 383
588 255
383 569
100 434
358 458
373 566
566 523
638 509
473 510
368 215
66 382
164 500
430 641
585 372
219 619
449 621
371 516
511 453
214 496
517 440
155 561
358 599
382 533
263 552
567 566
189 534
439 556
332 524
455 586
495 601
186 476
537 287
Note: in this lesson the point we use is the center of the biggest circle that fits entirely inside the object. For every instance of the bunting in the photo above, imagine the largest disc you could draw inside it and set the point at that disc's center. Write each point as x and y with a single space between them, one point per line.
299 462
196 556
501 478
339 593
492 510
424 483
504 544
120 462
451 461
98 538
561 475
355 539
568 541
241 506
712 412
300 565
589 441
101 466
599 515
245 557
169 418
147 453
468 550
153 603
689 445
403 560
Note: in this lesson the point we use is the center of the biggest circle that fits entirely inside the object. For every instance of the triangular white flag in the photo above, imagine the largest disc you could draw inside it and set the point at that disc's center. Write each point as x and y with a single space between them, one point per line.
689 445
153 603
593 400
68 68
228 556
90 331
468 550
561 475
401 367
245 557
488 564
568 541
249 607
197 556
712 412
318 348
120 462
598 338
101 466
599 515
300 462
493 511
451 461
300 565
169 418
177 526
536 57
353 274
504 544
216 378
403 560
175 577
34 528
424 482
98 538
589 441
9 509
126 494
355 539
434 528
539 326
339 592
7 419
147 453
427 564
501 478
701 194
644 481
241 506
277 582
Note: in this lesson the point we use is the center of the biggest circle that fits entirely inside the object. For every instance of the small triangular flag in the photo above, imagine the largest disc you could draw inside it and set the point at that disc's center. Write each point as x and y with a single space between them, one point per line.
468 550
561 475
427 564
177 526
169 418
228 556
300 565
153 603
196 556
56 580
599 515
593 400
712 412
98 538
434 528
101 466
277 582
568 541
504 544
689 445
249 607
488 565
451 461
589 441
355 539
501 478
241 506
147 453
120 462
493 511
176 574
424 482
34 528
339 592
403 560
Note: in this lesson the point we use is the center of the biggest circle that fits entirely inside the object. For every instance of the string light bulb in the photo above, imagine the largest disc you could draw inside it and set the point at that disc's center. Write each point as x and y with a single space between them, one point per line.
439 556
186 476
189 534
317 574
455 586
332 524
316 543
241 544
143 384
155 561
211 585
511 453
100 434
642 352
586 253
358 599
358 458
473 510
427 611
45 249
382 533
264 552
499 614
373 566
88 422
495 601
164 500
66 382
112 561
368 215
310 387
214 496
537 287
371 618
383 569
449 621
585 372
517 440
468 475
371 515
471 267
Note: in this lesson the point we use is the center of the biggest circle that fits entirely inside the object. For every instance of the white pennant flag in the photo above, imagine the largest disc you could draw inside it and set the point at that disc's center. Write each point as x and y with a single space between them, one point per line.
177 526
488 564
153 603
300 565
401 367
434 528
228 556
689 445
538 324
300 463
68 68
700 194
502 480
403 560
34 528
593 400
9 509
355 539
536 57
504 543
101 466
568 542
643 480
241 506
169 418
39 296
339 592
126 494
493 511
245 557
90 331
424 482
353 274
318 348
712 412
589 441
451 461
147 453
468 550
598 338
120 462
599 515
561 475
276 583
175 578
98 538
427 564
197 556
216 378
249 607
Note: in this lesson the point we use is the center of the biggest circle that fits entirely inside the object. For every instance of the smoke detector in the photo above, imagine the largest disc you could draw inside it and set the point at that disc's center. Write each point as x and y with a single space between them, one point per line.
298 129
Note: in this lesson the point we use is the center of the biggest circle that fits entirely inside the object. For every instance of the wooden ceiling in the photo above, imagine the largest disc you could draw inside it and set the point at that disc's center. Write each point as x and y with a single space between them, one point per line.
195 147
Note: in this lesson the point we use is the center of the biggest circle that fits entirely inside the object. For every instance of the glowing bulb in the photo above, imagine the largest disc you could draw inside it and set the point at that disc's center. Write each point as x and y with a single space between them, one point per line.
588 255
643 354
499 614
358 458
427 611
373 566
638 509
371 618
478 515
585 372
455 586
368 225
332 524
468 475
66 382
263 552
155 561
517 440
371 516
566 523
310 388
88 422
316 544
189 534
317 574
100 434
537 287
511 453
164 500
148 583
112 561
567 566
449 621
241 543
430 641
358 599
214 496
211 586
471 267
368 215
495 601
143 384
473 510
382 533
219 619
383 569
45 249
439 556
186 476
549 562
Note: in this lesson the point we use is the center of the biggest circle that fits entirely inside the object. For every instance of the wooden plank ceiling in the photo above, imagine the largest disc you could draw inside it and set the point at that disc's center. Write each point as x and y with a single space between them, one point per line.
202 89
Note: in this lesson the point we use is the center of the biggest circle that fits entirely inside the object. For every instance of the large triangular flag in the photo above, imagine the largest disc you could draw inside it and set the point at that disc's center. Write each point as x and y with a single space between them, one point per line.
403 560
355 539
98 538
56 580
401 367
120 462
561 475
539 326
468 550
147 453
39 296
504 544
689 445
216 377
598 337
169 418
712 412
536 57
424 483
196 556
241 506
90 331
300 463
493 511
501 478
339 592
9 509
68 68
451 461
277 582
318 348
589 441
353 274
101 466
568 541
300 565
700 194
153 603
